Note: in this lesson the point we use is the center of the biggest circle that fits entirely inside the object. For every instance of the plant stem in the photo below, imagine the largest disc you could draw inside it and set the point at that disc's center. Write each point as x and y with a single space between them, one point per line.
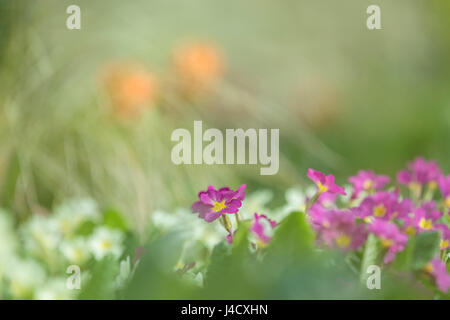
312 201
226 223
238 219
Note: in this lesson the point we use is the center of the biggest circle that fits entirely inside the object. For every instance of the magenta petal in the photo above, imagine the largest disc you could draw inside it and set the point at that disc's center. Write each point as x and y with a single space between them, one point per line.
214 195
316 176
258 229
441 275
211 216
444 185
240 192
390 255
200 208
228 195
381 181
404 177
327 198
332 187
341 190
232 206
329 180
205 197
336 189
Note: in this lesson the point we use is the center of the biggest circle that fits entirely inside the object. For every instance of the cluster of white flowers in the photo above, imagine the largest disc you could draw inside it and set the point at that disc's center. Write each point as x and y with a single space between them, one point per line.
34 258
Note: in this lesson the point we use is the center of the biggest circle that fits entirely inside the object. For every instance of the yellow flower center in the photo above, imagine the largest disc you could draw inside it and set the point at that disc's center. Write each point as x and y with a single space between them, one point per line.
415 186
219 206
444 244
261 244
65 226
379 211
106 244
343 241
447 202
368 219
322 188
411 231
368 184
429 268
386 242
179 265
78 254
425 224
432 185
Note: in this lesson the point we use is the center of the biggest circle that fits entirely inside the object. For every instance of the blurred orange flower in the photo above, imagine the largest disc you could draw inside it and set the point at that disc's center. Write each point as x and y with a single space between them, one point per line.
318 102
198 65
130 86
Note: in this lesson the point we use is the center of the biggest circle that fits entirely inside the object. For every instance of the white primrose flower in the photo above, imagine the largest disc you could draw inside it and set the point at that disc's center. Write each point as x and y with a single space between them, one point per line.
41 235
349 191
164 221
310 191
295 201
196 235
255 202
8 240
24 277
208 234
189 227
72 214
55 289
76 251
106 241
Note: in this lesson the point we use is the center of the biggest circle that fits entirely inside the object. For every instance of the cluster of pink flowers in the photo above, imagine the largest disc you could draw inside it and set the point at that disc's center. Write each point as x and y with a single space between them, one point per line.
387 214
372 208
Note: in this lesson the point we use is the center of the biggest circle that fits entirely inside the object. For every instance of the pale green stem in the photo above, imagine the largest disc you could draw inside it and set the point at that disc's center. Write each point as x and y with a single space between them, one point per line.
226 223
415 191
430 192
238 218
312 201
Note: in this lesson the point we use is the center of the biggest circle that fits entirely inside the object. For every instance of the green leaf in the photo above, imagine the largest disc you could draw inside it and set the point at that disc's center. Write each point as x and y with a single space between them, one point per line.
85 229
370 257
240 239
155 277
114 220
353 260
101 283
233 275
426 248
404 259
293 236
226 260
219 253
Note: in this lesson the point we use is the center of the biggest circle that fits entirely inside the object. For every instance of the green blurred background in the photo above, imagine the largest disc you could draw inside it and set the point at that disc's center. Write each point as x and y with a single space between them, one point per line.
345 98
